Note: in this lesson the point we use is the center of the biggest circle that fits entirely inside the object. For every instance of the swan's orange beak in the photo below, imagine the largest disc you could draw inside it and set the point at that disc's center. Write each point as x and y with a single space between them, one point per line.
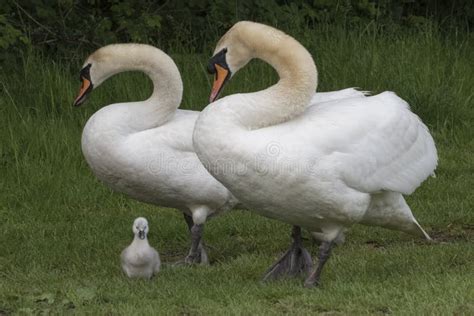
86 87
220 78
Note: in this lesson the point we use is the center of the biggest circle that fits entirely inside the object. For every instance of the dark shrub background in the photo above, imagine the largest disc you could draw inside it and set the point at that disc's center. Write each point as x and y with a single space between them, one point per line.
65 27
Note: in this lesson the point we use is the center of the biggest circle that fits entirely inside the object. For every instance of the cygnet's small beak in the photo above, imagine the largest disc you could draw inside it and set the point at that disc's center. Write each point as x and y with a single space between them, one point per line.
141 234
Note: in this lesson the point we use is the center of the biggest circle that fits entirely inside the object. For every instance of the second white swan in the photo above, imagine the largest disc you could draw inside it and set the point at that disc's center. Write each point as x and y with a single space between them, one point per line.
320 166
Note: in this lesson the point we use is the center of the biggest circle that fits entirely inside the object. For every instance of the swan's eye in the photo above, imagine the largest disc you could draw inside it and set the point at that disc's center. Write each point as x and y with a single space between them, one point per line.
85 73
211 69
218 59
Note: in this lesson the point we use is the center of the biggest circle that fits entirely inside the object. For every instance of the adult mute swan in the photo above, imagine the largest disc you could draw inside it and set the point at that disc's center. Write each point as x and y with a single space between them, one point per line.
144 149
322 167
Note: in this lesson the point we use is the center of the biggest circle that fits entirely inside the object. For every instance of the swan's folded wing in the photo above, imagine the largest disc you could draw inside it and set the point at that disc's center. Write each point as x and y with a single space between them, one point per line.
320 97
397 152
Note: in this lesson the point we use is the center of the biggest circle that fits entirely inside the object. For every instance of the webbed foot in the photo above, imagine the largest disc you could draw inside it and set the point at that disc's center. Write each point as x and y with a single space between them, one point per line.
295 261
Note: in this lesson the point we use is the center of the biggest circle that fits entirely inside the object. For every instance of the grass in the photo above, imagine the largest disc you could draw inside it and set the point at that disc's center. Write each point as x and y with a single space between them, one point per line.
62 230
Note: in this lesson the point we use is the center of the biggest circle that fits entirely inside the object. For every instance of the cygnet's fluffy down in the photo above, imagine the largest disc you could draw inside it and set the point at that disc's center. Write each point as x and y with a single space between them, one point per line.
139 259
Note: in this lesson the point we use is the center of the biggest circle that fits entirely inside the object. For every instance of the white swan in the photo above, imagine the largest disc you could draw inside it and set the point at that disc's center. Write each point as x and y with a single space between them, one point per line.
144 149
139 259
323 166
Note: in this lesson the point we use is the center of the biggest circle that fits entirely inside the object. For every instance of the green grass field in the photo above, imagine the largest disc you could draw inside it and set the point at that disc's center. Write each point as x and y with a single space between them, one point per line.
62 231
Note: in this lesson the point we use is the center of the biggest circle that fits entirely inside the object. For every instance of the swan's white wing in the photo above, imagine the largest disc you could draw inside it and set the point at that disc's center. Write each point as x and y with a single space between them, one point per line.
319 97
370 143
396 152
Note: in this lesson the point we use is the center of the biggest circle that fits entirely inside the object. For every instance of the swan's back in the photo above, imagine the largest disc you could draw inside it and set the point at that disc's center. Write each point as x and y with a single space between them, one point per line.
372 143
401 150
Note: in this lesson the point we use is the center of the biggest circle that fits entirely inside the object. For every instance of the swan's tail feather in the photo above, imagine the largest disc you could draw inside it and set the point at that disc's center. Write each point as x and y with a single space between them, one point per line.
420 231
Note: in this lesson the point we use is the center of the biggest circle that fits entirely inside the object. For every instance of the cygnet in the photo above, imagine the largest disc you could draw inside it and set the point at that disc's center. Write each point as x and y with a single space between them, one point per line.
139 259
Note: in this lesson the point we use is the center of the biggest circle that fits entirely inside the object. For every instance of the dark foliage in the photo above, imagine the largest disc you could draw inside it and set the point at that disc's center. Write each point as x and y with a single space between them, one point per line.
67 26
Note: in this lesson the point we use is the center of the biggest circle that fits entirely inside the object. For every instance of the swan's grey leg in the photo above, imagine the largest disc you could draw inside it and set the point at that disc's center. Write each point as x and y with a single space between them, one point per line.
198 256
296 260
197 253
324 253
194 255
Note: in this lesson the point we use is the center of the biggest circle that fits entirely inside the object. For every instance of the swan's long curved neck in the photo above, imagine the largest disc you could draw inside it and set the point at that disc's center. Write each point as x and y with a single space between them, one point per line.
167 84
291 95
